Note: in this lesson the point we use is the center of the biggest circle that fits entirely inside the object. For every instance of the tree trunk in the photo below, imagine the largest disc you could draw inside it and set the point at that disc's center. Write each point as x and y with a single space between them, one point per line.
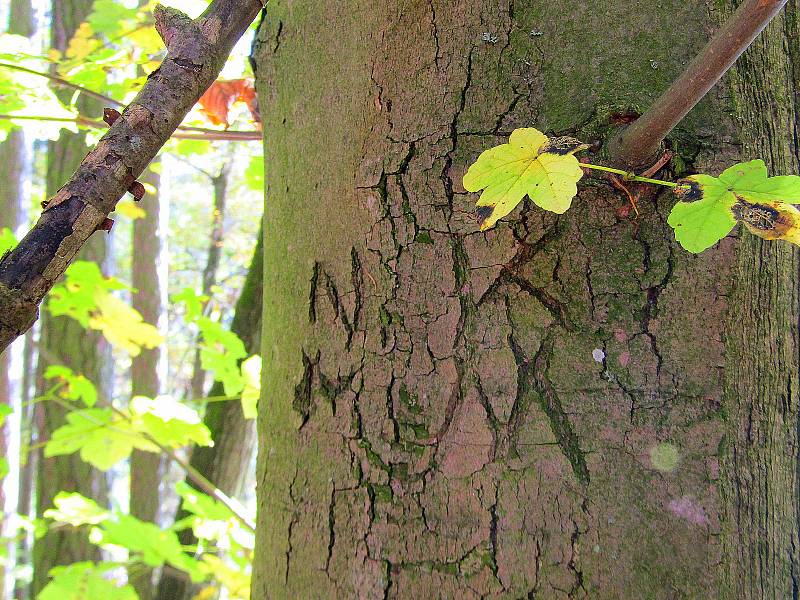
145 467
536 411
762 389
219 184
64 341
225 464
13 161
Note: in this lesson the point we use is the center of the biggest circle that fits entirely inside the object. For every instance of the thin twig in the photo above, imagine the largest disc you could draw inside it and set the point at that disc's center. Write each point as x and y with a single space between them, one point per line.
209 134
184 133
63 83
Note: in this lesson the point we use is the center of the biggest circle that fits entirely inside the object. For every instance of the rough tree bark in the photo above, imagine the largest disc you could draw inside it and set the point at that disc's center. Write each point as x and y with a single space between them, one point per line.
225 464
145 467
761 483
539 410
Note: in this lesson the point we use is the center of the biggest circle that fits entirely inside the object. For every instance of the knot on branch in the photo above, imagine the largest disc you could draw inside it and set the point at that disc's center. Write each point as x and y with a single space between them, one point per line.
170 22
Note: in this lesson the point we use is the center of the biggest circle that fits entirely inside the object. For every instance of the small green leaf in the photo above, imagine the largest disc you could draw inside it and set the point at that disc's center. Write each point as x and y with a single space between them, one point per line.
701 224
5 410
102 438
7 240
169 422
193 301
76 510
76 387
530 163
201 504
251 375
84 581
220 352
151 544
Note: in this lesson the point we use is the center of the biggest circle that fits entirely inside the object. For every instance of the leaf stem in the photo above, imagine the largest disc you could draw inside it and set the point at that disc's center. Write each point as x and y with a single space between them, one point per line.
628 176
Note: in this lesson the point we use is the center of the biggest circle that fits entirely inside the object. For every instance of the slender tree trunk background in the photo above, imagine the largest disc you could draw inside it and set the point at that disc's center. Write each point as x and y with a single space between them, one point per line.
64 341
13 161
145 467
565 406
219 184
225 464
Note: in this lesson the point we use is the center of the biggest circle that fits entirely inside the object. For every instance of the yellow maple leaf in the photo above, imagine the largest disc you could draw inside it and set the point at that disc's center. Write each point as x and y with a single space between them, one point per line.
123 325
130 209
769 220
530 163
82 43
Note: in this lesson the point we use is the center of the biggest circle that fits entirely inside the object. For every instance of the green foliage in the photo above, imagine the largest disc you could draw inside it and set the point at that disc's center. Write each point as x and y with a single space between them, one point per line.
709 214
86 297
251 376
74 387
200 504
222 351
76 510
104 436
25 94
530 163
7 240
85 581
168 422
148 542
254 175
151 545
75 296
709 207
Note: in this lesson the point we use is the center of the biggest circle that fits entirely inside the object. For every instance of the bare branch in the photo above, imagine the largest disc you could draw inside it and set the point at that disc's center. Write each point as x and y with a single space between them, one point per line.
196 52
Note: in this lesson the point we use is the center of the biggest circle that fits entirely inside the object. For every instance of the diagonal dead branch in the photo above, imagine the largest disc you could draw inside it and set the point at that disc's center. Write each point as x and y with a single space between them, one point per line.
196 52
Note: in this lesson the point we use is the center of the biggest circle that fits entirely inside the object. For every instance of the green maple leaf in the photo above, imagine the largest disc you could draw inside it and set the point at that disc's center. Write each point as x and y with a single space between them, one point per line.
101 437
169 422
75 509
76 387
707 212
530 163
82 581
151 544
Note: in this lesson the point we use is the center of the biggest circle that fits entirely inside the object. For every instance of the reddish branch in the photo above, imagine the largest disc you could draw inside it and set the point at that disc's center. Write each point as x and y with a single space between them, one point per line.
638 145
196 52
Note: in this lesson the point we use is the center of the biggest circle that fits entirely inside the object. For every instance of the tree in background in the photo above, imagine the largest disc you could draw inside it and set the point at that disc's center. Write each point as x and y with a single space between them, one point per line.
63 341
13 160
145 467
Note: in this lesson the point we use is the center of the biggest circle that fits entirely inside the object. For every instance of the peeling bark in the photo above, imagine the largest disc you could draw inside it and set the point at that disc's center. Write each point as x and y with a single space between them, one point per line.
532 412
197 50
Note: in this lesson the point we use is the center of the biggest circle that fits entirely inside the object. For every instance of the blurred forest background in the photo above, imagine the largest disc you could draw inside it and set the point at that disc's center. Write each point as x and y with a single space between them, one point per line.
127 411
